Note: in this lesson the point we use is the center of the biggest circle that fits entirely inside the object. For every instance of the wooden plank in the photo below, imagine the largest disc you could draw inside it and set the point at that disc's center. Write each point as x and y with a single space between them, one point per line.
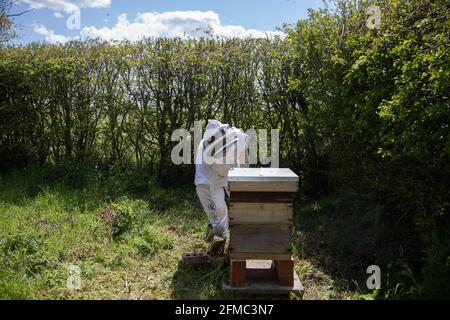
260 213
265 286
259 256
285 272
263 186
237 273
254 238
286 197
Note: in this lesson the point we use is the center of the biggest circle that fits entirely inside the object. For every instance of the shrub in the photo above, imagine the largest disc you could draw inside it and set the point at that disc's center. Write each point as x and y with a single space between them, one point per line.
436 273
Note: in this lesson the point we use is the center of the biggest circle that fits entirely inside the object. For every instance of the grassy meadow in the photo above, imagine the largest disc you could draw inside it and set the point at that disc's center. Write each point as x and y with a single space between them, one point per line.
125 233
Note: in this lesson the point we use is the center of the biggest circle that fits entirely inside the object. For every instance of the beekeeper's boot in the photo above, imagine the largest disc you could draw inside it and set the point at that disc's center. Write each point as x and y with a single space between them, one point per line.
217 246
209 235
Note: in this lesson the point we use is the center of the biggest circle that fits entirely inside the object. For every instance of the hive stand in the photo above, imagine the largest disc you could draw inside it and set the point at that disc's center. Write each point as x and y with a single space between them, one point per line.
261 231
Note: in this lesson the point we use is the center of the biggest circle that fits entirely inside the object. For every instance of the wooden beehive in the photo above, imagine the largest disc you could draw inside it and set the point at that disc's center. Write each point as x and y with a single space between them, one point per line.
261 213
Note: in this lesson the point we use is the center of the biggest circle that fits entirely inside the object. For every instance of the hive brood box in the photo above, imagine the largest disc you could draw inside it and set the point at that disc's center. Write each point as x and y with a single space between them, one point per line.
261 213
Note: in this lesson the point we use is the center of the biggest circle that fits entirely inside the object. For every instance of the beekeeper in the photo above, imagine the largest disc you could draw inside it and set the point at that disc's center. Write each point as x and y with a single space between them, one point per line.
222 148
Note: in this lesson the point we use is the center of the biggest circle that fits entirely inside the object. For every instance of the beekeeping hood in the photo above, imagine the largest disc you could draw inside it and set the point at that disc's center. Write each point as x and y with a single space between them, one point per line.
213 129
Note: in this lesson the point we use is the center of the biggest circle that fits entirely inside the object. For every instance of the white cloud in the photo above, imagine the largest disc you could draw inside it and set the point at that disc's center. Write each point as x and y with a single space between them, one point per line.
182 24
67 6
58 15
50 35
172 24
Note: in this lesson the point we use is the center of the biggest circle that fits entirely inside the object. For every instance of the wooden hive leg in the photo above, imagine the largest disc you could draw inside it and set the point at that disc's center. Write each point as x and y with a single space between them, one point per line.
285 272
237 273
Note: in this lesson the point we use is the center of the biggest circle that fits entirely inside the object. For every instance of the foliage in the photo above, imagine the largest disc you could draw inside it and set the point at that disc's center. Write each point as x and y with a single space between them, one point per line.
6 22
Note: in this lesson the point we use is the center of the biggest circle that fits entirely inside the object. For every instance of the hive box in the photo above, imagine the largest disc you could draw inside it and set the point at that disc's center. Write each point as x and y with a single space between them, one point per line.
261 213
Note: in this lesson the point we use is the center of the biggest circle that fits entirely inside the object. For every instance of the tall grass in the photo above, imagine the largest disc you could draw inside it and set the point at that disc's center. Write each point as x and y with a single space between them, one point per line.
127 234
126 237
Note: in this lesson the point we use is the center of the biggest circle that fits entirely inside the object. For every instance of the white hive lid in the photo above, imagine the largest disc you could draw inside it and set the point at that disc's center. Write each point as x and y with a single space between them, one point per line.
262 175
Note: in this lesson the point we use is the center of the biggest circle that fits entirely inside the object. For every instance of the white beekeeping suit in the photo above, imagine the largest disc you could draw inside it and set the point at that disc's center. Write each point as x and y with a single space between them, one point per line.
221 149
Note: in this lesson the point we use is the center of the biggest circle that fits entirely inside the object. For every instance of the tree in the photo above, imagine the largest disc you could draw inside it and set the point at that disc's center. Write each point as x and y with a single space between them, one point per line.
7 25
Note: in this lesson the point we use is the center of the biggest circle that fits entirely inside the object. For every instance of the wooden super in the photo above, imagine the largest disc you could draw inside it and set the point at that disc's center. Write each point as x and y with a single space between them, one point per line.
261 201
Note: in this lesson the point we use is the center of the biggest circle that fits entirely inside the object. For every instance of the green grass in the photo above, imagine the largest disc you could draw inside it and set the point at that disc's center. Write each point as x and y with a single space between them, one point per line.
124 232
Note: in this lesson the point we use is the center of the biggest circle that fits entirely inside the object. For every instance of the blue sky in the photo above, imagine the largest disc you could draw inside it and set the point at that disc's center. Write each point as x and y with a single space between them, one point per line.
134 19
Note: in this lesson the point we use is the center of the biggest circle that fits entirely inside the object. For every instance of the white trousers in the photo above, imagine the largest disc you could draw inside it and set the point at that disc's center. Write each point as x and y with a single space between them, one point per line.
213 202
